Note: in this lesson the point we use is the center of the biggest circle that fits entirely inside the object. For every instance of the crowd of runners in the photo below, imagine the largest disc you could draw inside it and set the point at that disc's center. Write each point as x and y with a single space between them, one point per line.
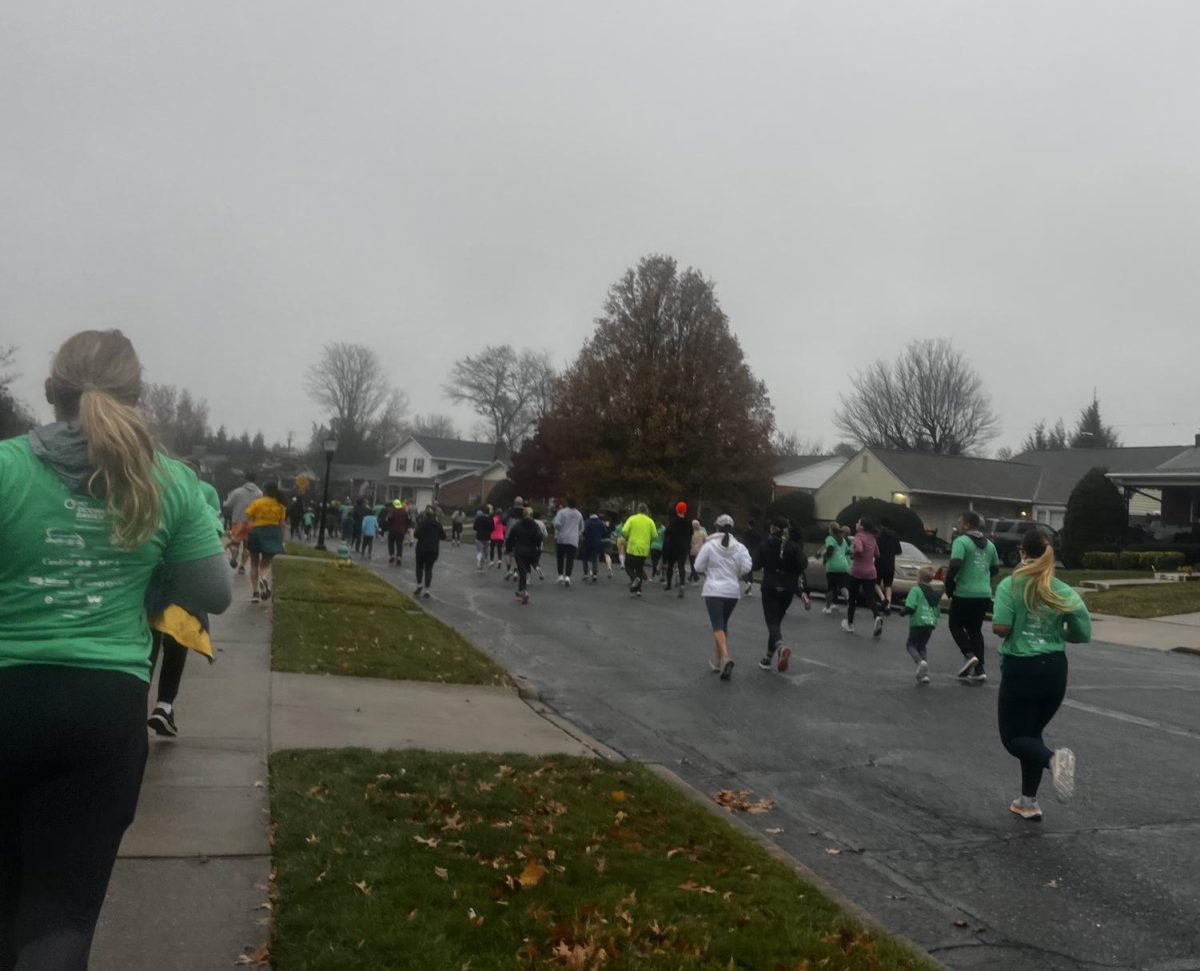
115 555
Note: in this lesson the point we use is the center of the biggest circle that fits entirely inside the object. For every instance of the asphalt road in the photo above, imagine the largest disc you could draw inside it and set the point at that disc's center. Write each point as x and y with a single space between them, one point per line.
909 785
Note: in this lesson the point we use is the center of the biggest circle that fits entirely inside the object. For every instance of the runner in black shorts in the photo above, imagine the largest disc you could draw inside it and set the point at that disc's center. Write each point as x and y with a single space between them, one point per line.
889 549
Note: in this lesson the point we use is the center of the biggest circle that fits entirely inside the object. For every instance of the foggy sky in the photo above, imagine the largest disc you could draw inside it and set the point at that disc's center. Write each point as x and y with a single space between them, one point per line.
235 183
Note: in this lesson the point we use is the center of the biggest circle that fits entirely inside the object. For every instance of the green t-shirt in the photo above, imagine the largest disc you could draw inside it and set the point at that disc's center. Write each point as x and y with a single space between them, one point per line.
839 558
209 494
657 542
974 577
1044 631
921 612
69 596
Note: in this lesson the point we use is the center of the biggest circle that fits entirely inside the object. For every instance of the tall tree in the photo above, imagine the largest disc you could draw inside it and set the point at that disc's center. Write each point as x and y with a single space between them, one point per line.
1090 430
792 443
660 402
1042 439
1004 453
435 426
363 408
179 422
509 389
14 417
930 400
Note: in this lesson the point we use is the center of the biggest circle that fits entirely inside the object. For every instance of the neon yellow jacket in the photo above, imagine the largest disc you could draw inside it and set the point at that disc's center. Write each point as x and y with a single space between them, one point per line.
640 531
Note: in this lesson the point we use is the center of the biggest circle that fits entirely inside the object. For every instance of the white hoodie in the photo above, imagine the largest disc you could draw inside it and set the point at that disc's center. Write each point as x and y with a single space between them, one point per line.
723 566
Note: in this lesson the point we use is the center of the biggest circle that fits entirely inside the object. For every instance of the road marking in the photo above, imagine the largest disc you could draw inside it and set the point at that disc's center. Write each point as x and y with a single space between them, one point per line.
1132 719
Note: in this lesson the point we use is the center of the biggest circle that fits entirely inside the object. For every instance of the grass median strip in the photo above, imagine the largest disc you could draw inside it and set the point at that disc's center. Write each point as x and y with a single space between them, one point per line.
306 551
349 622
516 862
1159 600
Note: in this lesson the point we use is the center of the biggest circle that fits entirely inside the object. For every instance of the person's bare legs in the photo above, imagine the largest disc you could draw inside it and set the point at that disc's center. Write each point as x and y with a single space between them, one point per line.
264 569
720 644
254 568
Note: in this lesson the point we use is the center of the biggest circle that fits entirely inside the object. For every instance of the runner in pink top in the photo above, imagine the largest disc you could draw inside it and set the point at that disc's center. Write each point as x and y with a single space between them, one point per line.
863 575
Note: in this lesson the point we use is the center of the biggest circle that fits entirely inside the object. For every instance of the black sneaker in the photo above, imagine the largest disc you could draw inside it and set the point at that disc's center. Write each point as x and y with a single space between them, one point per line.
417 592
764 664
264 588
727 670
162 722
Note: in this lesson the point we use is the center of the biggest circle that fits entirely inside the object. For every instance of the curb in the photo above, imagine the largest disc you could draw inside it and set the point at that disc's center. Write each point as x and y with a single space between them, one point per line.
1194 651
781 855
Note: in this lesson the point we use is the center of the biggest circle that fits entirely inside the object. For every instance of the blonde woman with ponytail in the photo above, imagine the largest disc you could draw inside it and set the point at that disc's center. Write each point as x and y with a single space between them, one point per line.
1037 615
89 512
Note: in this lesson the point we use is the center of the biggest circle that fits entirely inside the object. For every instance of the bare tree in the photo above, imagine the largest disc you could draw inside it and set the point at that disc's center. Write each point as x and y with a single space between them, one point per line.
792 443
435 426
14 417
1004 453
178 420
510 390
931 399
365 411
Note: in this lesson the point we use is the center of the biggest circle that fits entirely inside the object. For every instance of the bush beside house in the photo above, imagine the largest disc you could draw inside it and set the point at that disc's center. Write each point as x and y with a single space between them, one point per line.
1096 517
905 522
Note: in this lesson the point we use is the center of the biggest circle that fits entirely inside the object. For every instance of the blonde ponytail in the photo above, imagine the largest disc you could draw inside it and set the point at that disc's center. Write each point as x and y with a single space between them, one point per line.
1038 573
97 377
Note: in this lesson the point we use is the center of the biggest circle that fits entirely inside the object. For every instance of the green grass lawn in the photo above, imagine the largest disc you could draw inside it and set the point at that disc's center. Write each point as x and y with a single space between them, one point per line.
349 622
303 549
1075 577
445 862
1160 600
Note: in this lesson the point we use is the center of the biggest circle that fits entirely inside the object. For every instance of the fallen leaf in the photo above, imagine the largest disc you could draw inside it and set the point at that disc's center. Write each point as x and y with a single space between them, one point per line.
601 865
484 786
618 795
441 872
475 919
429 841
259 957
532 875
1053 884
833 851
775 829
320 876
362 885
412 915
693 887
961 923
312 839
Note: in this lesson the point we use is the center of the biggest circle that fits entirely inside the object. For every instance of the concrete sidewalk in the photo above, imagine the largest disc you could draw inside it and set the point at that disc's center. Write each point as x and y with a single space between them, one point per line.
190 887
1181 632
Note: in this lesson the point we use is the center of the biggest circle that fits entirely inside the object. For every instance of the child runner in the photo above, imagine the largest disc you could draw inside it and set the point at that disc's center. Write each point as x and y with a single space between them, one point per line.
427 540
1036 613
266 515
723 561
370 528
782 565
75 664
309 519
656 553
924 606
837 567
524 544
973 564
863 576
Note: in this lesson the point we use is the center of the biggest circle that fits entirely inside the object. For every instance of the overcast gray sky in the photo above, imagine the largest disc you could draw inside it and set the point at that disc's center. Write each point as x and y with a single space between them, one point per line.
234 183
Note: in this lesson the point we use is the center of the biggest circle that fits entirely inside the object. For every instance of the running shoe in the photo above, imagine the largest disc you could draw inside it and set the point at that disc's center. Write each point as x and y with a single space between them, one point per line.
680 594
727 670
541 575
977 677
417 592
714 667
162 721
425 595
878 627
967 668
847 627
233 562
1027 809
765 664
241 571
922 672
785 654
1062 770
264 586
254 598
827 610
560 579
525 598
566 581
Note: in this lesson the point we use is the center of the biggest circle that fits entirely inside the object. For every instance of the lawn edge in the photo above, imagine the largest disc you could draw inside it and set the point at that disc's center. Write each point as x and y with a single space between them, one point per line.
781 855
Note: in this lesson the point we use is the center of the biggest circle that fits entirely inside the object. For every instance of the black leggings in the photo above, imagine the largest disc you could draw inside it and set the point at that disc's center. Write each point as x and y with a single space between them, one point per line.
1031 690
655 559
425 563
775 603
174 656
72 752
635 566
679 564
834 582
395 546
496 551
565 554
967 615
525 565
692 574
861 592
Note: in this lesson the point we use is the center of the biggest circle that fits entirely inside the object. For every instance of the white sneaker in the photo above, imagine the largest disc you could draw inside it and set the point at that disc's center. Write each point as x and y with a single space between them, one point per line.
827 610
1062 770
566 581
560 578
922 672
1026 809
878 627
847 627
968 667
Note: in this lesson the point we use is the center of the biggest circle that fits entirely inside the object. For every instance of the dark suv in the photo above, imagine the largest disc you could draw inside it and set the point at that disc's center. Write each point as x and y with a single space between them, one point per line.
1008 533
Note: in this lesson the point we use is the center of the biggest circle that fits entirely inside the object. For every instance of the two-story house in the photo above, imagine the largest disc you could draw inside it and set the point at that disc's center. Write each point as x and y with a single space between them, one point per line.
452 472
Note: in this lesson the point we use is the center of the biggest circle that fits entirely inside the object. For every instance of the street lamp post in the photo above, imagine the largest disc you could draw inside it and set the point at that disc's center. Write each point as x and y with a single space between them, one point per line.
330 448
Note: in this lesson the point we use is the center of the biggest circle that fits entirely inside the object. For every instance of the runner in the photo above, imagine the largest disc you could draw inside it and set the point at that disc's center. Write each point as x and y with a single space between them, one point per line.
889 549
511 518
370 528
266 515
496 550
456 526
427 539
699 538
863 576
796 535
723 561
753 539
639 532
239 530
308 521
924 606
483 534
837 567
568 530
74 667
676 543
295 517
524 544
595 534
1036 613
397 528
656 552
782 566
973 565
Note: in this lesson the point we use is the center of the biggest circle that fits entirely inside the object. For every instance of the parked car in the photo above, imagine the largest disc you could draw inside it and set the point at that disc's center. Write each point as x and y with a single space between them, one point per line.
908 562
1007 534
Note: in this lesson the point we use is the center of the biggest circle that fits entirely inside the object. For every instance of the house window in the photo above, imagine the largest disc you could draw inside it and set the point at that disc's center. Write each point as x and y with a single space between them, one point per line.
441 466
418 465
401 465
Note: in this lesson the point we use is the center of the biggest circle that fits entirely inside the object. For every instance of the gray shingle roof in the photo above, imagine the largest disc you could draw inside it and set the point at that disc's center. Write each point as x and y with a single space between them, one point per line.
791 463
1063 468
961 475
1186 461
452 449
